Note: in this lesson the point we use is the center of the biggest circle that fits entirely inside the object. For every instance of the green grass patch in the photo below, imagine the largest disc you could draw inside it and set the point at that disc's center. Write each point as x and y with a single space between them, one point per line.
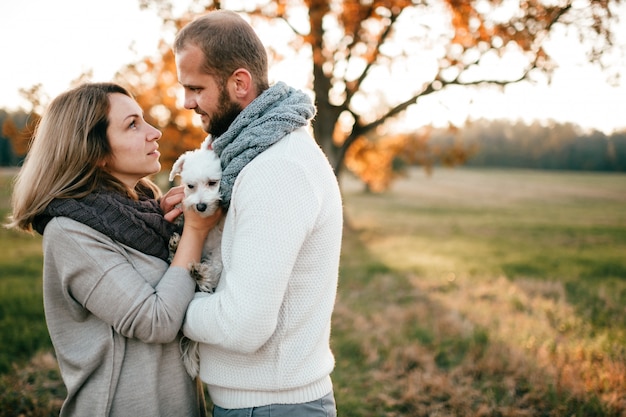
471 292
22 322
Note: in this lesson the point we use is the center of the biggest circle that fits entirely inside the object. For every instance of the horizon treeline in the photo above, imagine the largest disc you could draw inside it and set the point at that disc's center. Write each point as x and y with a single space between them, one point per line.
494 143
556 146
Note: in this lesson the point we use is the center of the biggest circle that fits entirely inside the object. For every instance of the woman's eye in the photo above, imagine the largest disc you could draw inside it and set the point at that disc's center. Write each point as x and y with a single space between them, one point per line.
133 124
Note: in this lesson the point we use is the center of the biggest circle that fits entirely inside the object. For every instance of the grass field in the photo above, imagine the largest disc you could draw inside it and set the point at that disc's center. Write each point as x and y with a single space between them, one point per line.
468 293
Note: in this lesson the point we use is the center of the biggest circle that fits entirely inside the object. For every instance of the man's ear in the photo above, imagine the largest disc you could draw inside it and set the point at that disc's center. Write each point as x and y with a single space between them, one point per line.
241 85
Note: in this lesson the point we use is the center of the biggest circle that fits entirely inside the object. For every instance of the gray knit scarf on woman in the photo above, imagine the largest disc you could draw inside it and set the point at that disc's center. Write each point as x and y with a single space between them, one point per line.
277 112
135 223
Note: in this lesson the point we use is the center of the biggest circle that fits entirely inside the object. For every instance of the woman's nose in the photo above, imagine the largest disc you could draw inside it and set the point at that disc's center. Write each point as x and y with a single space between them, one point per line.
155 133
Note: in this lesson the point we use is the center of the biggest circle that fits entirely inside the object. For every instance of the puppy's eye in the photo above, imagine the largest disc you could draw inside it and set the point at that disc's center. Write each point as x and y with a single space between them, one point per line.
212 183
191 186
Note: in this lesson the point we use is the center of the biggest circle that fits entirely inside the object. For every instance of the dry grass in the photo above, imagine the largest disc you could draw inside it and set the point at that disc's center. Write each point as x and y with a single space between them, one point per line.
471 293
437 327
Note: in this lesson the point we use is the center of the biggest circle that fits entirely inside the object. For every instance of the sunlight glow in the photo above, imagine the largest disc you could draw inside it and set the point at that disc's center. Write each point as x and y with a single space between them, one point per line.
53 43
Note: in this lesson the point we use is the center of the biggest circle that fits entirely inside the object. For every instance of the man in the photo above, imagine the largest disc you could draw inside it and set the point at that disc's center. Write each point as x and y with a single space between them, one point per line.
265 331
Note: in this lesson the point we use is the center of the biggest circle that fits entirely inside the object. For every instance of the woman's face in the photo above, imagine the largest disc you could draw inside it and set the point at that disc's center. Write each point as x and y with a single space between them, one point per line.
133 142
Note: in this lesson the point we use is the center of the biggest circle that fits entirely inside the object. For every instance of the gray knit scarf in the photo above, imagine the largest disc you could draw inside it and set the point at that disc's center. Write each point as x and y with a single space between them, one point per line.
136 223
277 112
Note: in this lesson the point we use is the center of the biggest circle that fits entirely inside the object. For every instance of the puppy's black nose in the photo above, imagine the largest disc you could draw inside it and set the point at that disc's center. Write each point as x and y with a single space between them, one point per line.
201 207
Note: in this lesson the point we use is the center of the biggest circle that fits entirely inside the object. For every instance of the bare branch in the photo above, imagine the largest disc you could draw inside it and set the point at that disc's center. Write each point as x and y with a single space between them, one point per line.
354 87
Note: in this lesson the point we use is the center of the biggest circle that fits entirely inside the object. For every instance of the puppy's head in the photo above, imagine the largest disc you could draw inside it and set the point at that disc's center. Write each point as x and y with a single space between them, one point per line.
200 172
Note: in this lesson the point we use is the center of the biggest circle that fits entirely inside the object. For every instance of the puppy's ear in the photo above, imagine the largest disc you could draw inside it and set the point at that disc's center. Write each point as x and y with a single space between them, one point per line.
177 168
207 142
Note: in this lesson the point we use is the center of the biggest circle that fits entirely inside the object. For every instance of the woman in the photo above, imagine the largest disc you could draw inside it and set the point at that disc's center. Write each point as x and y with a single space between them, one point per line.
113 305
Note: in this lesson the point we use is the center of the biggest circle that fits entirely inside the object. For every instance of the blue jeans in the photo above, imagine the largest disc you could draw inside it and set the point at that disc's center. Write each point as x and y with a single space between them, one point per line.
323 407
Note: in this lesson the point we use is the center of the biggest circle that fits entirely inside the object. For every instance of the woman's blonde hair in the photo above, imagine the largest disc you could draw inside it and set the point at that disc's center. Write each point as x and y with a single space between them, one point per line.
66 154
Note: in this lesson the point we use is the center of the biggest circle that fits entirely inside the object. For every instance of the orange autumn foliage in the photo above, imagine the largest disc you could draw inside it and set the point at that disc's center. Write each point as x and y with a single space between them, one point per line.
350 43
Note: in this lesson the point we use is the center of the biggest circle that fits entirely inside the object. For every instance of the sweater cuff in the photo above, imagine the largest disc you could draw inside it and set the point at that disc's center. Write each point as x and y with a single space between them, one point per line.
193 318
236 398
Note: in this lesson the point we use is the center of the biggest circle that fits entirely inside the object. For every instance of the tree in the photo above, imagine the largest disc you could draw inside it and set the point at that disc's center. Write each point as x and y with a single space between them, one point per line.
19 133
372 60
20 126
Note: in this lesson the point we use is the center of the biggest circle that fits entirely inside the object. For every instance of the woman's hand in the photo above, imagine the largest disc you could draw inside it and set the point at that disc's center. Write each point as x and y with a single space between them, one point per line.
170 203
195 231
199 223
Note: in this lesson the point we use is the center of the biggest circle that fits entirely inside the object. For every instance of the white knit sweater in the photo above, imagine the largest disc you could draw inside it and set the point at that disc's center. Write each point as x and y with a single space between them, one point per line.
265 331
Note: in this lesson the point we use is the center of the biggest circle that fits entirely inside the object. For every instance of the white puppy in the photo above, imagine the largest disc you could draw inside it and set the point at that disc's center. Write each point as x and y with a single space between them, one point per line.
200 172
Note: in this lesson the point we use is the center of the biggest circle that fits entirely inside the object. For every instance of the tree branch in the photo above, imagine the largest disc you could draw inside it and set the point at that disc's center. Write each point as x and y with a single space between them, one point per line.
352 88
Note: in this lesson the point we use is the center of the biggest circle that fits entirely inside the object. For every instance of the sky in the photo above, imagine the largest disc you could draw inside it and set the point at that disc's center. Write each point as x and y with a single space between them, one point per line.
54 42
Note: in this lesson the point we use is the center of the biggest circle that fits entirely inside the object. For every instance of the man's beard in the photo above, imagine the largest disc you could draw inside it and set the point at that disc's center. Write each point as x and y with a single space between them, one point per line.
225 115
